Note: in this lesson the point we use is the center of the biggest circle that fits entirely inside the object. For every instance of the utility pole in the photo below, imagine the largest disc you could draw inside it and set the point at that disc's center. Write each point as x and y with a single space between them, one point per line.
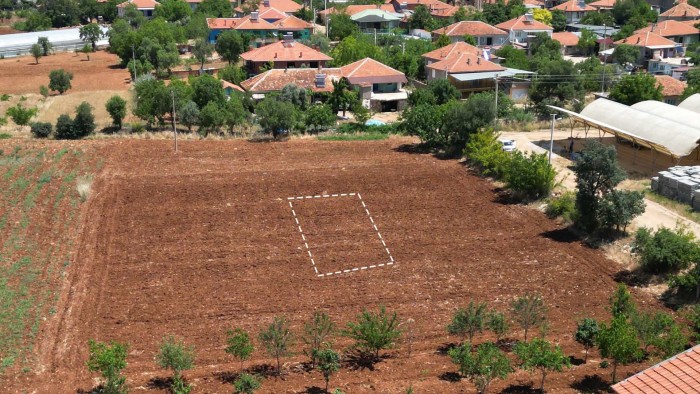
133 57
328 15
172 94
495 112
605 57
551 140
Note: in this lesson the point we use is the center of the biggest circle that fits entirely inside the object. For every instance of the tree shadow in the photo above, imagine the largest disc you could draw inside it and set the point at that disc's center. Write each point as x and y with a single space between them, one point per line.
358 361
226 376
422 149
262 138
520 389
504 196
160 383
507 344
452 377
591 384
635 277
446 347
314 390
562 235
576 361
264 370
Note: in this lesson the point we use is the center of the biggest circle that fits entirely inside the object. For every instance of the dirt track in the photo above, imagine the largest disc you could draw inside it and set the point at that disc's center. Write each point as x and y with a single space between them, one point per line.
199 243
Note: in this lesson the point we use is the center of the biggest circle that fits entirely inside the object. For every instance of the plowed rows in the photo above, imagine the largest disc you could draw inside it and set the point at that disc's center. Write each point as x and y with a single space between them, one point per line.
199 243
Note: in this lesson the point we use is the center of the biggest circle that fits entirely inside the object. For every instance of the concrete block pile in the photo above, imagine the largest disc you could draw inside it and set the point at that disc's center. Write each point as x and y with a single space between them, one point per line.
681 183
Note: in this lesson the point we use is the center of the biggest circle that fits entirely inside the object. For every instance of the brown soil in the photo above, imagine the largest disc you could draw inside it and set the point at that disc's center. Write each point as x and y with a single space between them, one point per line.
198 243
102 72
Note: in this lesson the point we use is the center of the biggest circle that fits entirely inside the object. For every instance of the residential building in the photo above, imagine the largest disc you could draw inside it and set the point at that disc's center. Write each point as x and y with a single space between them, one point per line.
376 21
284 54
682 11
603 5
520 28
262 30
679 32
145 6
286 6
652 46
448 51
568 42
574 10
379 86
667 66
678 374
437 8
671 88
354 9
229 88
483 33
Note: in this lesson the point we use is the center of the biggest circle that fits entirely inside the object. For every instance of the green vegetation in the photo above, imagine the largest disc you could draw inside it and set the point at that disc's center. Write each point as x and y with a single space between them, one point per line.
586 333
468 321
316 333
277 339
483 366
60 80
109 360
540 354
239 344
373 332
246 384
178 357
563 206
529 312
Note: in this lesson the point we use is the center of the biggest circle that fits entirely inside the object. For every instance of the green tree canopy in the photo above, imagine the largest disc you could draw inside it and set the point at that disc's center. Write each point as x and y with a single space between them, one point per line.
230 44
60 80
542 355
618 341
91 33
373 332
109 360
637 87
173 10
483 366
215 8
340 26
116 107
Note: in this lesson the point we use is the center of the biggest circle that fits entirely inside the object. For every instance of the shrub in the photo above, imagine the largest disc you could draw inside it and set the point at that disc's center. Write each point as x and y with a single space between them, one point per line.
328 363
109 360
175 355
542 355
483 366
665 250
468 321
671 342
84 121
277 339
315 334
650 327
618 341
374 331
44 91
20 115
497 324
246 384
239 344
60 80
485 151
586 333
529 311
64 127
563 206
41 129
116 107
530 176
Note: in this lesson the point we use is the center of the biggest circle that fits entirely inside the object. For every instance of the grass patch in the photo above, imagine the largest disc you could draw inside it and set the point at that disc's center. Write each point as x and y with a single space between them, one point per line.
5 136
371 136
678 207
59 154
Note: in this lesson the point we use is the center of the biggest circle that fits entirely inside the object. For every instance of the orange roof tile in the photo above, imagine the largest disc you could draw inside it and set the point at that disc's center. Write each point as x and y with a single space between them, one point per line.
678 374
521 23
670 87
566 38
140 4
292 23
436 7
465 63
227 84
602 4
271 13
682 10
647 40
371 71
573 6
244 23
473 28
276 79
670 28
282 51
452 50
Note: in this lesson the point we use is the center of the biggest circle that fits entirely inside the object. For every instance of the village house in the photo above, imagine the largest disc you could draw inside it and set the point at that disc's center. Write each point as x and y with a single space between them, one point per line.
284 54
262 30
671 89
437 8
651 46
603 5
574 10
288 7
568 42
682 11
145 6
679 32
483 33
522 27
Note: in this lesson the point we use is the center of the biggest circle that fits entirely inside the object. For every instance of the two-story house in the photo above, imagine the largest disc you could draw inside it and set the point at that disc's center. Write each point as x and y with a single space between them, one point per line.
284 54
522 27
651 46
483 33
574 10
682 11
145 6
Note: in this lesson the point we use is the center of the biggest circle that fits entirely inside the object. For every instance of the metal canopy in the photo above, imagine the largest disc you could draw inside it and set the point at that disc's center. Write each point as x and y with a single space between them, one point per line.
692 103
508 72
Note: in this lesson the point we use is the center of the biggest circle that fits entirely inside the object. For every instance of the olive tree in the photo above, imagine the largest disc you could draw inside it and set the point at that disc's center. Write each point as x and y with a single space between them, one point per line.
468 321
175 355
239 344
316 332
529 311
542 355
277 339
586 333
483 366
373 332
116 107
60 80
109 360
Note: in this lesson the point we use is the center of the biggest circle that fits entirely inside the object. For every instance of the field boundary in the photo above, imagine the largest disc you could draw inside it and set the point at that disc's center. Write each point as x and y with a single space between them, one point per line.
306 243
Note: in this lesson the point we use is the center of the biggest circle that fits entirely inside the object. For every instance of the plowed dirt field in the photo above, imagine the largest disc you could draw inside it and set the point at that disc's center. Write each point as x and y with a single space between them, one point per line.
201 242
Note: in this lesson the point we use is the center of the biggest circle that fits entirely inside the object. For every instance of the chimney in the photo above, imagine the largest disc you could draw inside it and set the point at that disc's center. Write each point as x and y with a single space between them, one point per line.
467 60
529 18
254 16
638 39
266 3
288 38
300 55
275 55
478 60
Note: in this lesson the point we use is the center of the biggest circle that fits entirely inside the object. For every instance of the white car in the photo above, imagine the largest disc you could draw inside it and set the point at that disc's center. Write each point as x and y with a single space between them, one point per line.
507 145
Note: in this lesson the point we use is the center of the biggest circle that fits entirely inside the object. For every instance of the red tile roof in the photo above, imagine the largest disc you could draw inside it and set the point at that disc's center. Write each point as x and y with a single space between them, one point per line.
227 84
602 4
140 4
682 10
671 87
678 374
574 6
276 79
647 40
271 13
670 28
521 23
287 6
566 38
452 50
292 23
465 63
371 71
473 28
436 7
245 23
282 51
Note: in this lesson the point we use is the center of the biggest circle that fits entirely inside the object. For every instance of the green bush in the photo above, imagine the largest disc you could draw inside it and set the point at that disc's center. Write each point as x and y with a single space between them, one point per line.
665 250
530 176
485 151
64 127
563 206
41 129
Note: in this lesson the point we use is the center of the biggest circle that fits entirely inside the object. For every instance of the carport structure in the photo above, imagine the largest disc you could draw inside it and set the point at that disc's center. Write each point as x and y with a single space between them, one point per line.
666 129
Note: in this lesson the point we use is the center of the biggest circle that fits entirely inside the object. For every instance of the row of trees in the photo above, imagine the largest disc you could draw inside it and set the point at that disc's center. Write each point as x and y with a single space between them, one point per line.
372 332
